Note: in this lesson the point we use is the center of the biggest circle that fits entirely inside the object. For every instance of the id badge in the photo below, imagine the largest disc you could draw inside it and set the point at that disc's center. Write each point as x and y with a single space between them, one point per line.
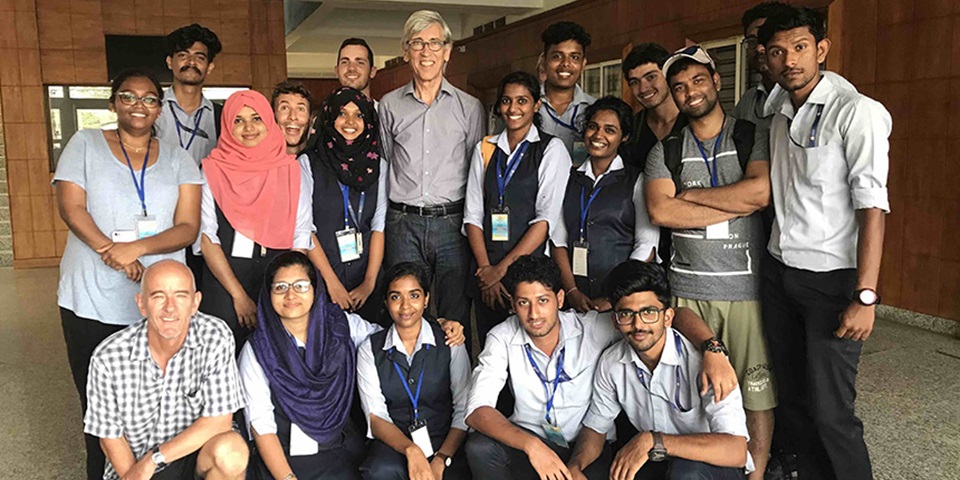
580 250
421 437
579 153
124 236
301 444
242 246
500 221
554 435
146 226
349 247
719 231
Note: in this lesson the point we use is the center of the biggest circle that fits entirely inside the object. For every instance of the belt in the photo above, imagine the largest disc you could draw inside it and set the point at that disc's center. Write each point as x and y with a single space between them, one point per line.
452 208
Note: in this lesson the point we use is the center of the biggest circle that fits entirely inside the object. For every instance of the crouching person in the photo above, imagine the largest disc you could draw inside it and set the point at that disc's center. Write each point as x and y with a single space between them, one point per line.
652 374
162 392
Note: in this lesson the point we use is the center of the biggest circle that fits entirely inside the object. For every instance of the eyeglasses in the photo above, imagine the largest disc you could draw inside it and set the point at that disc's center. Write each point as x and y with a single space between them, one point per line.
749 42
130 99
647 315
417 44
300 286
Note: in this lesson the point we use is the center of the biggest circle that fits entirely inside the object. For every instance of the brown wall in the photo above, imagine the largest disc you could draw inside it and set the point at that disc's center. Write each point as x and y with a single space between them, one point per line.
319 88
904 53
62 41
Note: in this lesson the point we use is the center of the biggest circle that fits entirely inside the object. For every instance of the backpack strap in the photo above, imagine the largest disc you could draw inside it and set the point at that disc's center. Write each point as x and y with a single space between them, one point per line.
673 156
743 138
487 150
217 113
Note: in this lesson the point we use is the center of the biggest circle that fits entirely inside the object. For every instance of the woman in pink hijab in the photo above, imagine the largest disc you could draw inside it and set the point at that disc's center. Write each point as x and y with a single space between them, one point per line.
253 207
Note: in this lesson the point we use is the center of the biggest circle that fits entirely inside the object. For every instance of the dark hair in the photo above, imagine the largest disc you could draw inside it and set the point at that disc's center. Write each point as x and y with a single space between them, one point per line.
561 32
760 10
523 79
405 269
133 73
286 86
684 63
359 42
789 17
184 37
634 276
643 54
289 259
612 104
530 269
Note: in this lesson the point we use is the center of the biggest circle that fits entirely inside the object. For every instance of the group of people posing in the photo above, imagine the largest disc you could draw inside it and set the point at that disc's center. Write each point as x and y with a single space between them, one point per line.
252 291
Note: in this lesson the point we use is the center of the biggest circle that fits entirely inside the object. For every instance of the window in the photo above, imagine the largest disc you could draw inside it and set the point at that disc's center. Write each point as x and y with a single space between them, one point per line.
732 67
602 79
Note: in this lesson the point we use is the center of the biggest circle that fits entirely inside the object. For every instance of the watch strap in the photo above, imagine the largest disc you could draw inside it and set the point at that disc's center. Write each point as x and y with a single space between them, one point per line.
714 344
446 458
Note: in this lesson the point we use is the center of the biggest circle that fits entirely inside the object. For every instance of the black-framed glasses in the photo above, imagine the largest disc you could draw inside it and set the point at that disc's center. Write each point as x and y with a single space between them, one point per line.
434 45
749 42
300 286
647 315
130 99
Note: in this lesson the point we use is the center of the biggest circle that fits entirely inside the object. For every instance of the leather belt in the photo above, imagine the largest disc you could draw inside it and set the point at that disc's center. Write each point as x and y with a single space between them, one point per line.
452 208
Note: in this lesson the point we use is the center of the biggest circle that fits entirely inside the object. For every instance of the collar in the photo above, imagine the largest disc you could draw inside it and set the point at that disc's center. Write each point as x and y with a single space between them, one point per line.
500 139
445 87
616 164
170 97
425 337
670 356
570 328
141 347
579 98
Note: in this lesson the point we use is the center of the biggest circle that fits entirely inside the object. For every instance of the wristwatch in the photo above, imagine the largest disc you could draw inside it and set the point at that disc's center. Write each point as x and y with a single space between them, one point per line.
446 458
158 459
715 345
867 297
658 453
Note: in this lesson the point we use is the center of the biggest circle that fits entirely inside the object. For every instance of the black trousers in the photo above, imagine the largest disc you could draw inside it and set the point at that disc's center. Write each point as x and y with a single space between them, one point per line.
82 335
384 463
816 372
492 460
683 469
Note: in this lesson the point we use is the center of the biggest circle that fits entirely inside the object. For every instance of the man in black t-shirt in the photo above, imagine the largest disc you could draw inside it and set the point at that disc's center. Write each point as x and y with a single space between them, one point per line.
642 70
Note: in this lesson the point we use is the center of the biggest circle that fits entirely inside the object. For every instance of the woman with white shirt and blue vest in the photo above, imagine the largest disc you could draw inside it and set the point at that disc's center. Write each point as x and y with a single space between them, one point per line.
605 220
514 195
413 389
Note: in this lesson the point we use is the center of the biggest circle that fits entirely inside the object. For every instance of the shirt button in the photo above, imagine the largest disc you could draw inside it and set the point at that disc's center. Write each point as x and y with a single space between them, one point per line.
428 130
426 173
410 381
428 152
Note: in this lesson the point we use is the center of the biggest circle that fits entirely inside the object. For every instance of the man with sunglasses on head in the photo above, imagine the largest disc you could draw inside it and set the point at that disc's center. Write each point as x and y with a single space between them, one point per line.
652 375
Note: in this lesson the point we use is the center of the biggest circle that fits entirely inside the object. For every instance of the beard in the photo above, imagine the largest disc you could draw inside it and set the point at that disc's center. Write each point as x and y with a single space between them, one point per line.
703 110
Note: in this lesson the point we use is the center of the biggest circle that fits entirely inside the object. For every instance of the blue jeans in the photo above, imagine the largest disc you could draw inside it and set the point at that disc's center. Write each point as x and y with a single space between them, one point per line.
436 244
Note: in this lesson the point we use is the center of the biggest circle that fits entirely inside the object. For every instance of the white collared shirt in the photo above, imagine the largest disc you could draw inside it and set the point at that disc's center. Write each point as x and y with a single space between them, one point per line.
551 180
368 380
817 190
651 404
571 117
646 237
584 336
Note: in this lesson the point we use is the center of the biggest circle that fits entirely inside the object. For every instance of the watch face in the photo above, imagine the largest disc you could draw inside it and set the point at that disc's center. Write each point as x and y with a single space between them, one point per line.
657 455
868 297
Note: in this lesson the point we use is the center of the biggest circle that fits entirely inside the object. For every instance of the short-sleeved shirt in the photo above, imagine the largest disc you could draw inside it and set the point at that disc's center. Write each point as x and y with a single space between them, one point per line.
753 106
644 139
129 396
714 269
88 287
206 137
429 146
568 127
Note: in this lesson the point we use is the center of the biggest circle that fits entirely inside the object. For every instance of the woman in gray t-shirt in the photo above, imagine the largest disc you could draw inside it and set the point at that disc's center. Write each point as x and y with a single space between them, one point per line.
128 201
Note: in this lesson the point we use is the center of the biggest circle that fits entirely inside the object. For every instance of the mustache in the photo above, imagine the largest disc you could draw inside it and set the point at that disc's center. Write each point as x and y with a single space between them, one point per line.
188 67
636 331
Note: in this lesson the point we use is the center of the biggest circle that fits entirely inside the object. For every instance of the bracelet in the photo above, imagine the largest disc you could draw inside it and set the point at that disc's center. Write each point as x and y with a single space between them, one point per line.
290 476
574 289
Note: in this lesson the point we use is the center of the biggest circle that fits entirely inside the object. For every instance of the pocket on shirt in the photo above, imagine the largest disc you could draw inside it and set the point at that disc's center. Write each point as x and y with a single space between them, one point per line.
692 420
823 164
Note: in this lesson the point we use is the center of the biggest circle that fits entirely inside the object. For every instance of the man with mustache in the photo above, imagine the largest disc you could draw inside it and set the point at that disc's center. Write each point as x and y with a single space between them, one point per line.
829 147
291 106
711 201
651 375
753 103
564 56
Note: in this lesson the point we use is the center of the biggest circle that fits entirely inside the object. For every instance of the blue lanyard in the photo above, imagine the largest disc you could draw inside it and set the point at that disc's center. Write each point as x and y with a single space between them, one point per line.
573 119
196 126
348 208
561 377
414 399
141 187
679 376
813 128
714 181
506 170
585 208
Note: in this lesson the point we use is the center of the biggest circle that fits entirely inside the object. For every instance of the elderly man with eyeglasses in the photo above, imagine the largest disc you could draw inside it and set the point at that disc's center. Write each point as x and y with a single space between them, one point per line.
429 131
653 375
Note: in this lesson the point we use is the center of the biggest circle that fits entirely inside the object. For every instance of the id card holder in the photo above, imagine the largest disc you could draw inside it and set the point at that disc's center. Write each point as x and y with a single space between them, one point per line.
347 241
554 434
500 222
301 444
124 236
580 250
242 246
146 226
579 153
421 437
719 231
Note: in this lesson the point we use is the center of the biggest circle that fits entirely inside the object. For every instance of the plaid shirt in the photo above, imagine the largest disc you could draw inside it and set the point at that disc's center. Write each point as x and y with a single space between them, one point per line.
129 396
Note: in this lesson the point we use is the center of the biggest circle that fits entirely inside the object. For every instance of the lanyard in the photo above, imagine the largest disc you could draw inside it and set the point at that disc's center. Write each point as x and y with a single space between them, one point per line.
813 128
414 399
714 181
585 208
141 187
561 377
348 211
573 119
193 133
506 170
679 377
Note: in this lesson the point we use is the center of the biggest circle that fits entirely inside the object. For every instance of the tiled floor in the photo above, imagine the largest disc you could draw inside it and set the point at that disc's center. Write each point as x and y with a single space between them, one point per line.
909 388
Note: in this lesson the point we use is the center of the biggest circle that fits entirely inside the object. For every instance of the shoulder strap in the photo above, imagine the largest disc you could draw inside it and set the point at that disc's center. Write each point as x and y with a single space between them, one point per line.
487 150
673 155
743 137
217 113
